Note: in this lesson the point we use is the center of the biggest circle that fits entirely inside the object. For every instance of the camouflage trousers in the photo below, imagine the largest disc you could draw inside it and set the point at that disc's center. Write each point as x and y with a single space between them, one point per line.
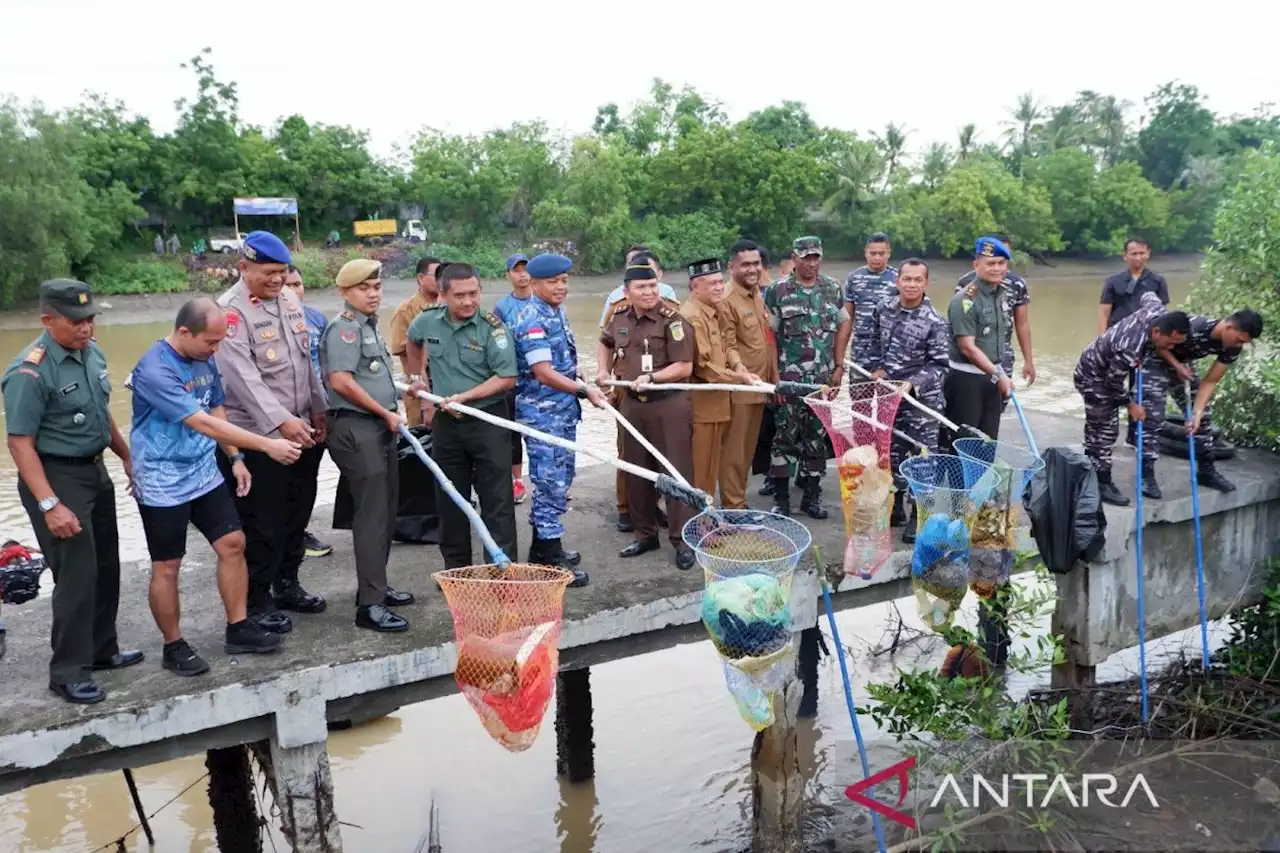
915 423
1101 426
800 443
1158 380
551 471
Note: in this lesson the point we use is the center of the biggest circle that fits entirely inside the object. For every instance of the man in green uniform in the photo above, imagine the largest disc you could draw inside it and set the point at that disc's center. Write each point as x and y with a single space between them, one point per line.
55 402
472 362
364 419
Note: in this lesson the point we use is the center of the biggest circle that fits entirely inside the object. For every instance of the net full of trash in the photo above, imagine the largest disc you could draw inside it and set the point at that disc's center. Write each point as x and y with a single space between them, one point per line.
996 474
507 624
859 422
748 561
940 557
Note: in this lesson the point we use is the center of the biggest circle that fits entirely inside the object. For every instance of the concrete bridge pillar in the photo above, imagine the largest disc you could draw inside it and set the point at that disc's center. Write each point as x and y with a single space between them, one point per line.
575 747
296 760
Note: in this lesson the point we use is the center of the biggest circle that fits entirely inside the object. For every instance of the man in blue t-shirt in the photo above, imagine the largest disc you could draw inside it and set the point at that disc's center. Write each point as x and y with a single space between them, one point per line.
507 309
311 544
178 421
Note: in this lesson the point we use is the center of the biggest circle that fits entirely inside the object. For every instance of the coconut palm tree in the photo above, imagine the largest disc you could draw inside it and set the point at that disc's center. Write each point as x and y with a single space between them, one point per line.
936 163
857 170
1066 127
1026 118
891 144
968 139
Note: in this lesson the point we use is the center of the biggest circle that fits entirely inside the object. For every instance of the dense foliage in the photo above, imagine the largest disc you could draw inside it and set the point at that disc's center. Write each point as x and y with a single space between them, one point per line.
79 187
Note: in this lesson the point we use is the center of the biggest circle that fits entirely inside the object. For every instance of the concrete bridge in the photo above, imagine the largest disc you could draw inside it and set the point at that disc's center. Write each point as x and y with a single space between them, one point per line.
331 672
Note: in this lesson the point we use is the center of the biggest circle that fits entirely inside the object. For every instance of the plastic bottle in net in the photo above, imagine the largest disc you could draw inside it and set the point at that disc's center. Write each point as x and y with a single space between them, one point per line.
859 422
507 625
748 560
996 474
940 558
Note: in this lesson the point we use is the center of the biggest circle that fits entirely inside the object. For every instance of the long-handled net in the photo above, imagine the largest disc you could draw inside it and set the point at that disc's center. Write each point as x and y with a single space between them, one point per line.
997 475
859 422
507 624
748 560
940 558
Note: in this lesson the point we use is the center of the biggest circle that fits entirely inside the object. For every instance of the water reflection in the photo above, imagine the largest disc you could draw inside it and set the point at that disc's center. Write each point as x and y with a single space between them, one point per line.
577 816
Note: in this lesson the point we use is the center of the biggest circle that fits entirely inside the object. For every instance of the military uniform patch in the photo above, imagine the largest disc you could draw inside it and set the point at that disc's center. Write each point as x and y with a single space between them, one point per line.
271 354
300 327
35 356
490 319
268 334
348 336
677 331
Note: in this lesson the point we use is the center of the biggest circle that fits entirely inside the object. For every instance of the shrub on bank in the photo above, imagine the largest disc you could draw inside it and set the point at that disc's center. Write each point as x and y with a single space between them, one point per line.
149 275
487 256
1242 270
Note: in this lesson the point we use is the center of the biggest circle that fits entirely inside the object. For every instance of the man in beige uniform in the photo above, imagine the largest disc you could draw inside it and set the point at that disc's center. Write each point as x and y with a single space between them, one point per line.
271 390
716 362
744 311
427 294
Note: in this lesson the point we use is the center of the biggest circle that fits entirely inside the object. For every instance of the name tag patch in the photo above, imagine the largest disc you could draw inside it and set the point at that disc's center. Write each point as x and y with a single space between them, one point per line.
68 389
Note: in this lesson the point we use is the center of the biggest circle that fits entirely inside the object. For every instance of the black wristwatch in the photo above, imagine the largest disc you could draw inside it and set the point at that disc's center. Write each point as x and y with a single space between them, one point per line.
582 393
238 456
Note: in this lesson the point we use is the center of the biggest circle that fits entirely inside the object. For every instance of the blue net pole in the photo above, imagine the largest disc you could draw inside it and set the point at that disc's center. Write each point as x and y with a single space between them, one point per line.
848 701
499 559
1195 515
1142 612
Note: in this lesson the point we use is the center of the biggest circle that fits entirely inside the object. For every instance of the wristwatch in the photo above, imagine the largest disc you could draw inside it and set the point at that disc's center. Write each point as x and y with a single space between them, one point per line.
238 456
49 503
582 393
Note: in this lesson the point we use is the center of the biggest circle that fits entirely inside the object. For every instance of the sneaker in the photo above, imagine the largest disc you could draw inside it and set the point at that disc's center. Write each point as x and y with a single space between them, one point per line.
313 547
180 659
517 486
250 638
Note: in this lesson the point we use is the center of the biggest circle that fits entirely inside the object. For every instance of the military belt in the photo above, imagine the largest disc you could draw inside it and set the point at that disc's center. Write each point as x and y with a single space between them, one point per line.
338 412
70 460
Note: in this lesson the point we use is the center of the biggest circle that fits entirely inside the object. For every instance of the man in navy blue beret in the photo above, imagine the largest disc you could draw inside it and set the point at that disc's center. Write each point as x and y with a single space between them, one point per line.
263 247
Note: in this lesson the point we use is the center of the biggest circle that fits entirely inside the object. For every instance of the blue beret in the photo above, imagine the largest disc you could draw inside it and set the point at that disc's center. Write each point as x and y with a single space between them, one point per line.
263 247
991 247
548 266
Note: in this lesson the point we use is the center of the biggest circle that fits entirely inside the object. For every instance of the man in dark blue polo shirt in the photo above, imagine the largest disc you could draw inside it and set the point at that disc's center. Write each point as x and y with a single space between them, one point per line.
1122 291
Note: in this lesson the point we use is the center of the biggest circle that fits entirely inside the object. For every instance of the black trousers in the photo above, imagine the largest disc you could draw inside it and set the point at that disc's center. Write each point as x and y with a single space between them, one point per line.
972 400
474 454
86 567
366 453
274 514
517 440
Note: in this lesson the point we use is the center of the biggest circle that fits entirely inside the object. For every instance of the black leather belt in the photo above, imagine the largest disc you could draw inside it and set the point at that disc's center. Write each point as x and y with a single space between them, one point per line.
353 413
70 460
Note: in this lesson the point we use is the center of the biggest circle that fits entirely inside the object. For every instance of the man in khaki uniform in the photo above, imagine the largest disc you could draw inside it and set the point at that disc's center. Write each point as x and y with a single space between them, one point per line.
716 361
427 294
649 344
744 312
271 390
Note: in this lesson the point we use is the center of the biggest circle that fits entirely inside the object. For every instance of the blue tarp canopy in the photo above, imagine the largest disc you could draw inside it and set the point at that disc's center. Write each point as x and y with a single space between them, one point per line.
266 206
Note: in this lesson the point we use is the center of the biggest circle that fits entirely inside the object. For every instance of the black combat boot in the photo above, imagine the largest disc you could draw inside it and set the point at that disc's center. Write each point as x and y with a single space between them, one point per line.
549 552
289 595
1207 474
811 503
781 496
909 529
897 515
766 488
1150 488
1107 491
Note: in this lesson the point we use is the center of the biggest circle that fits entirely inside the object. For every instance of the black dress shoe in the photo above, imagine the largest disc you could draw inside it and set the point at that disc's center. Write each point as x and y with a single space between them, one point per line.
294 597
625 524
640 546
378 618
573 558
273 621
120 660
396 598
80 693
580 579
684 559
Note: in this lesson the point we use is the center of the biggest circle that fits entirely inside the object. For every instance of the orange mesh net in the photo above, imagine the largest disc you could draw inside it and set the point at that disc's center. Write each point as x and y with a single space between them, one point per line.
507 625
859 422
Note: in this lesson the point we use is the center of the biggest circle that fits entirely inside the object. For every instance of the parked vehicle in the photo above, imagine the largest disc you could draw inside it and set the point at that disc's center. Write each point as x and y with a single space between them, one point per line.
227 245
374 232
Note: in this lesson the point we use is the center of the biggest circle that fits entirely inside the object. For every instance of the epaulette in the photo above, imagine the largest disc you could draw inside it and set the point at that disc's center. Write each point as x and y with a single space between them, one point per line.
35 356
971 290
666 310
348 315
491 319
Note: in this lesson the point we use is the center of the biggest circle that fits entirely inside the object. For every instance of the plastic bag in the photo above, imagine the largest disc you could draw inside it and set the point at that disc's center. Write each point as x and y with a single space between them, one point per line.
1062 501
940 568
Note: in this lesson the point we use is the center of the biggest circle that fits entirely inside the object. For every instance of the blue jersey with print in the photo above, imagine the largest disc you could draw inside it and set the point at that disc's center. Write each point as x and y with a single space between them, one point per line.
509 307
172 463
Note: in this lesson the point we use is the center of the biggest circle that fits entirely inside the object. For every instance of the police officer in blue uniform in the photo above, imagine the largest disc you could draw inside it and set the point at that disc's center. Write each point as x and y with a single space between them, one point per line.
547 398
55 401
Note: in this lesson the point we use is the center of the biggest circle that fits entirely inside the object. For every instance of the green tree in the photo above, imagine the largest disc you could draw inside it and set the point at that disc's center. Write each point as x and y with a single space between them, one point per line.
1180 127
982 196
788 124
591 205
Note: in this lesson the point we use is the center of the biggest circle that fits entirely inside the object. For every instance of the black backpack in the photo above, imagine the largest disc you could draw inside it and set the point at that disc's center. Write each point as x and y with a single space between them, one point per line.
1065 509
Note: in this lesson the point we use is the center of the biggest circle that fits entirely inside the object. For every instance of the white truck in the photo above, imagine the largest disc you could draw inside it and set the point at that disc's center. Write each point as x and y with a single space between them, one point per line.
414 231
227 245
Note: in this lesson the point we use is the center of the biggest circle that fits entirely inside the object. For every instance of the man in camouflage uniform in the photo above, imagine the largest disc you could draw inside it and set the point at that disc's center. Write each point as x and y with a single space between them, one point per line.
864 289
1017 314
909 343
1100 377
1224 339
812 330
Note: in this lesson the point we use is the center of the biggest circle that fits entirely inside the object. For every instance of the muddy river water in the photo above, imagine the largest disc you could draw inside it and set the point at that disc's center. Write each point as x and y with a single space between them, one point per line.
673 756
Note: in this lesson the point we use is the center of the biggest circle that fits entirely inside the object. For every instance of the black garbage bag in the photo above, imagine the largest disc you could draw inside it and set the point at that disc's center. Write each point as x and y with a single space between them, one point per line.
20 572
1066 514
416 518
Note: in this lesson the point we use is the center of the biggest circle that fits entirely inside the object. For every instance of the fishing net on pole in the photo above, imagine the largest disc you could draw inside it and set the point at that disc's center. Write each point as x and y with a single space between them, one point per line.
858 422
507 625
940 558
748 560
996 474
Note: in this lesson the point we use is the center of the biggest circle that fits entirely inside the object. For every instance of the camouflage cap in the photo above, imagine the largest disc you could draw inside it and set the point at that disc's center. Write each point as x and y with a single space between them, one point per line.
810 245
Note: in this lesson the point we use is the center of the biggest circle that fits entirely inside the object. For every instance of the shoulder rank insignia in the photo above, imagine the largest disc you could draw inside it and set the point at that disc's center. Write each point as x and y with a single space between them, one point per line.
35 356
677 331
666 310
348 315
491 319
971 290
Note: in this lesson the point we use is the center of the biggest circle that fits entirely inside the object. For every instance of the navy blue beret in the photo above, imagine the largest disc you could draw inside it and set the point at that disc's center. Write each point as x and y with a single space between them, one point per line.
991 247
263 247
548 266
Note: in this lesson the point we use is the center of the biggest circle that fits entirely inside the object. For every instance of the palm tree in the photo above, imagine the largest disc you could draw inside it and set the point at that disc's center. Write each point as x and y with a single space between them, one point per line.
1026 118
891 146
968 139
1065 128
857 168
936 164
1109 127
